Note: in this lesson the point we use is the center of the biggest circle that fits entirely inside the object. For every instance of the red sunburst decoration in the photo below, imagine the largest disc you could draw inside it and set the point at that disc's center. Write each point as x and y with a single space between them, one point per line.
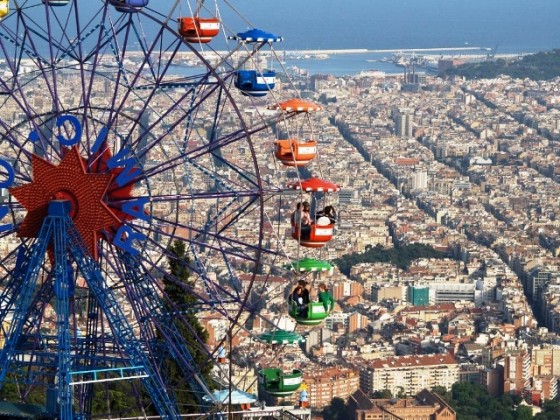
69 180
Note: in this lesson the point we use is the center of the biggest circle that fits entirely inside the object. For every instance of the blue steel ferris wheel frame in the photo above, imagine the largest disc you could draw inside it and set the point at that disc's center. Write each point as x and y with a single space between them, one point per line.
96 83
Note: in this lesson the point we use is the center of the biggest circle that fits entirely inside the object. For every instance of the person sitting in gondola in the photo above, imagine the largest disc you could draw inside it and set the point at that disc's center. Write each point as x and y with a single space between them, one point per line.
304 285
301 220
328 216
305 225
325 297
295 218
299 300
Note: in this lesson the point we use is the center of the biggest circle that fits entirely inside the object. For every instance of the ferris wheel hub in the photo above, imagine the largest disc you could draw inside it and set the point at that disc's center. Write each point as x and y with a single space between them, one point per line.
67 181
72 201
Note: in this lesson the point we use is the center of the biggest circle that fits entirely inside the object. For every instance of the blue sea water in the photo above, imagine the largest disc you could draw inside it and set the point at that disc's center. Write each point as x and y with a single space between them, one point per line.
525 25
509 26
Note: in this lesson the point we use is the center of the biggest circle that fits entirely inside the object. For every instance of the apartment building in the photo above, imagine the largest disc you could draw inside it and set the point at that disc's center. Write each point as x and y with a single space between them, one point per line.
409 374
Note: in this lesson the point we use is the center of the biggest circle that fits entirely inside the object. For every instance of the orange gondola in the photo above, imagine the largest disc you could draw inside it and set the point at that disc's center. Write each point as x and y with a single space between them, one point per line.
294 151
199 30
291 152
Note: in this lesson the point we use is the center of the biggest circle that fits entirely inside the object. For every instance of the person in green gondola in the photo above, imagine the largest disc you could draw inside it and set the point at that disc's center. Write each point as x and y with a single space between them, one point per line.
325 297
305 286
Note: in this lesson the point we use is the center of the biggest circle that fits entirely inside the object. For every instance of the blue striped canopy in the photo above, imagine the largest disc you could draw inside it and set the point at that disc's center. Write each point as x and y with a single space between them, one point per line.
256 35
237 397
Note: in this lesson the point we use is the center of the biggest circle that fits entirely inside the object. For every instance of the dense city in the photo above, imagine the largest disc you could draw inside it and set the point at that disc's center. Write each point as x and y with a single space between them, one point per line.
190 232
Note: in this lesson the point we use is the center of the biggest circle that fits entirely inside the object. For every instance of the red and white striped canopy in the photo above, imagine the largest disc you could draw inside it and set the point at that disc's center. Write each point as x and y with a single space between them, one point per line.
314 185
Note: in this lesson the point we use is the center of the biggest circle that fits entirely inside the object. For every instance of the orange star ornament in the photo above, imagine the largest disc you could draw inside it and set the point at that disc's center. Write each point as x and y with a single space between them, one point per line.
70 181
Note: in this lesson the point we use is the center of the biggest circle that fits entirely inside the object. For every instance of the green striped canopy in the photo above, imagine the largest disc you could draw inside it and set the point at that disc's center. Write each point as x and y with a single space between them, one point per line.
309 265
281 337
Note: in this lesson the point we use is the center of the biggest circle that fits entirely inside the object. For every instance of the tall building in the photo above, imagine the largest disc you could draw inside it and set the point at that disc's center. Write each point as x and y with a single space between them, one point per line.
345 289
403 124
143 134
357 321
419 179
517 371
409 374
546 361
544 388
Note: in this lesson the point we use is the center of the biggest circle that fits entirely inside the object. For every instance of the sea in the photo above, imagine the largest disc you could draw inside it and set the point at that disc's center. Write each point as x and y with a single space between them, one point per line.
499 26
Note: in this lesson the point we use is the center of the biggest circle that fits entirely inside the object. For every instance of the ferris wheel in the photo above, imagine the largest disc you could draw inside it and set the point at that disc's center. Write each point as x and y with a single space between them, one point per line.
125 163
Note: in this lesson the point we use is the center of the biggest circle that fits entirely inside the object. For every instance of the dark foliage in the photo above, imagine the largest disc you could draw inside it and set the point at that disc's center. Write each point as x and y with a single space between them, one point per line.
551 410
179 270
401 257
541 66
337 410
472 402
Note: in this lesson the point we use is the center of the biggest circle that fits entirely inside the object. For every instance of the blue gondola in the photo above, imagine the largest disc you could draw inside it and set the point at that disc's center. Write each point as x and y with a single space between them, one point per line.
253 83
128 6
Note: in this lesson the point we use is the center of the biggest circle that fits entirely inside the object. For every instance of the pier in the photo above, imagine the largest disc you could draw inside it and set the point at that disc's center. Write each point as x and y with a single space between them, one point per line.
397 50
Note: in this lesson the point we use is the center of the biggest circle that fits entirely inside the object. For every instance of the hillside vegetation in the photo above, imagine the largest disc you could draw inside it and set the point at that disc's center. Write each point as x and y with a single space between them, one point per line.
400 257
540 66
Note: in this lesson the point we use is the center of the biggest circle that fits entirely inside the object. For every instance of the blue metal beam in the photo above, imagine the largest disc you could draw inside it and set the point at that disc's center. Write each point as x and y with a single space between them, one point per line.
59 232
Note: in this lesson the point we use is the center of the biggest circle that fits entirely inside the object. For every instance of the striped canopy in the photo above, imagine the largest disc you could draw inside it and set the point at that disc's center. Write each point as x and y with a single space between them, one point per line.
296 105
256 35
281 337
314 185
310 265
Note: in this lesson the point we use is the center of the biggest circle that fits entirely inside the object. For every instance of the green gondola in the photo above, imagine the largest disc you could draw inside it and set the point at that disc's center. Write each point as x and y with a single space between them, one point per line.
315 313
280 337
279 383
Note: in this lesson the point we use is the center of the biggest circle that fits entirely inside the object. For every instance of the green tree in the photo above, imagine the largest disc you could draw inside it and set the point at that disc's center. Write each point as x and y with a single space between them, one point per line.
551 410
472 401
523 412
401 256
337 410
384 394
442 392
179 296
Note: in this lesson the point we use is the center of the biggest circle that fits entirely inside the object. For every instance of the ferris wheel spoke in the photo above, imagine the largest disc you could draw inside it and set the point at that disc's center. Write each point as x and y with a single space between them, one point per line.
202 152
173 160
206 300
18 98
153 298
185 105
32 36
204 195
226 184
200 239
121 81
144 291
150 53
90 61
